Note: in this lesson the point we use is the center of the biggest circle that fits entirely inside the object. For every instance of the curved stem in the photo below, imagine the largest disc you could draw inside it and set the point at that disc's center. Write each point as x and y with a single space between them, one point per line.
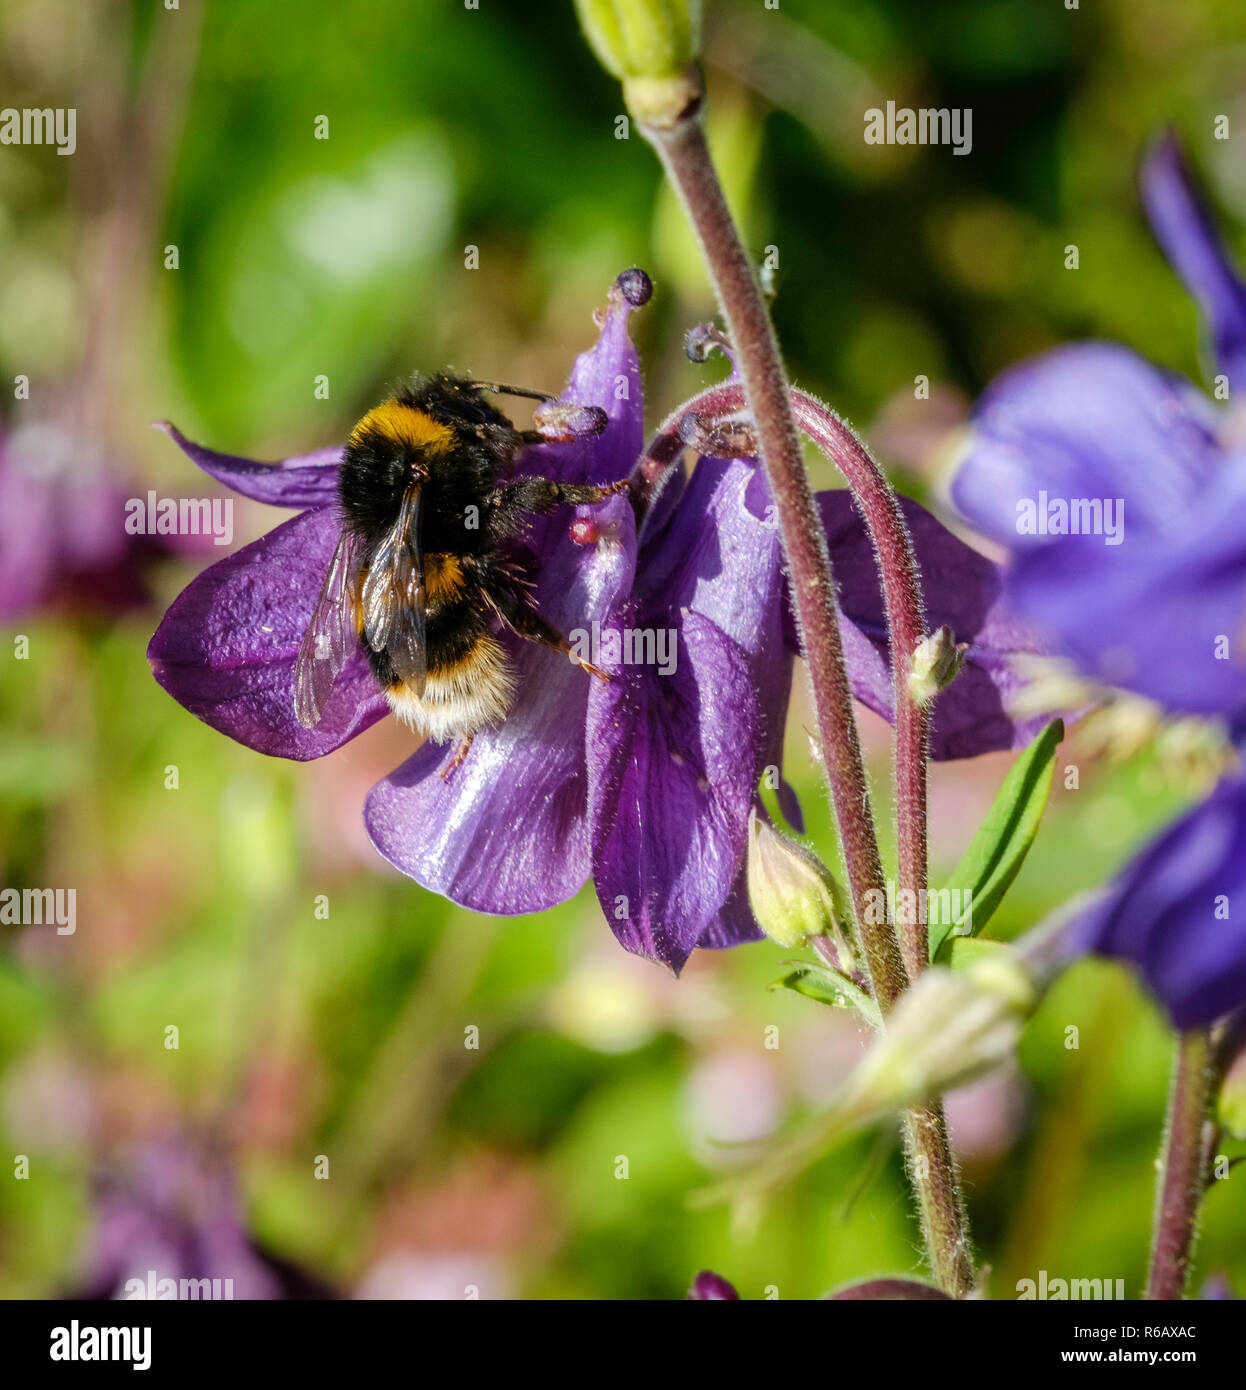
906 625
685 155
931 1163
1182 1167
902 598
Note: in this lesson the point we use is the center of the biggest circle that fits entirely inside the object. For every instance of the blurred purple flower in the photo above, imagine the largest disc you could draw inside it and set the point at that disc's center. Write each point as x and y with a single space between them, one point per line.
64 534
709 1287
1157 607
1169 911
1147 594
172 1214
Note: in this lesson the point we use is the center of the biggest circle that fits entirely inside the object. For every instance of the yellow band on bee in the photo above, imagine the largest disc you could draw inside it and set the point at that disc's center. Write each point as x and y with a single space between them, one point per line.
443 576
404 424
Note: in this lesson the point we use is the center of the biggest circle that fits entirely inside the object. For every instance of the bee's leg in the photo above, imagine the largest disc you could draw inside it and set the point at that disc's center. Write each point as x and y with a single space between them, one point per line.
544 494
460 753
563 421
523 619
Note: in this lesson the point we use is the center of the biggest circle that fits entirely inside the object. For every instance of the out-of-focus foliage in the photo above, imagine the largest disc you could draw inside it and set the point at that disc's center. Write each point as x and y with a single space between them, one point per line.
477 1084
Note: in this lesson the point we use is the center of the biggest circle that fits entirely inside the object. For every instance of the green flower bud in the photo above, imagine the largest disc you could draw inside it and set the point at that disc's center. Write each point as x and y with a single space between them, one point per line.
652 46
642 38
936 662
790 890
948 1029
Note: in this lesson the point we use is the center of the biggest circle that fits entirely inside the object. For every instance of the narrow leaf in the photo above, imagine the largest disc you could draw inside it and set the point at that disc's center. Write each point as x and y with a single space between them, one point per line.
998 850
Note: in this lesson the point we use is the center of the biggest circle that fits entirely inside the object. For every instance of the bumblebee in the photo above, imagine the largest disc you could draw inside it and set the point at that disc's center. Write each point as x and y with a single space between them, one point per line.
429 566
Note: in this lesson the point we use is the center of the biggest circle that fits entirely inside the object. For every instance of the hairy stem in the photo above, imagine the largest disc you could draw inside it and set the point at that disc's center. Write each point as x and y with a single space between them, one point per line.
682 147
928 1150
906 624
935 1181
931 1164
1182 1167
686 158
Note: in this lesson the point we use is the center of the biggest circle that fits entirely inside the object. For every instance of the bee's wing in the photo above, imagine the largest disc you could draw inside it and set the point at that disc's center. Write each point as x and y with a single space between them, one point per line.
394 598
329 638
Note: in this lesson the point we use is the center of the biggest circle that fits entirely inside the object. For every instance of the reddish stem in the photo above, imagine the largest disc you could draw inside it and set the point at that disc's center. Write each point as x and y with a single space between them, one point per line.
687 161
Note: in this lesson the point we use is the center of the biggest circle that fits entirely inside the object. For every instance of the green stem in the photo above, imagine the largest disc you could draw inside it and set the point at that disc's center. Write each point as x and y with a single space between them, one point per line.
940 1204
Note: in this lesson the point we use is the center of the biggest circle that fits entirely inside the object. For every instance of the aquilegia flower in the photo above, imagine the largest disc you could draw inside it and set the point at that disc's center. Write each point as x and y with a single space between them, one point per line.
645 781
1120 491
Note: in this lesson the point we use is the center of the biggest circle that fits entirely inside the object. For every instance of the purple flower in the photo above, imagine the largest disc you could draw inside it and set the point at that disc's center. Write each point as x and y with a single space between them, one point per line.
1119 490
643 782
64 521
556 791
1175 911
170 1221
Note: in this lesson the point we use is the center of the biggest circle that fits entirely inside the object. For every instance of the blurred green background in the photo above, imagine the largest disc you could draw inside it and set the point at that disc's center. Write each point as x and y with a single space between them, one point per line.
345 1036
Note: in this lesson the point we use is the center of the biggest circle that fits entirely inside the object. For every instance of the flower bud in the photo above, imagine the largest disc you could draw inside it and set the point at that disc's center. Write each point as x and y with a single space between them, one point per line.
652 46
936 662
642 38
790 890
948 1029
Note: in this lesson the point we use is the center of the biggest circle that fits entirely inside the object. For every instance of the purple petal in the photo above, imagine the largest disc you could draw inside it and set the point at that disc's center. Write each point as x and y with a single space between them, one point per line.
1159 615
607 375
712 569
506 831
963 590
1140 605
226 648
888 1289
673 780
720 555
1173 912
733 924
1183 228
305 480
1089 421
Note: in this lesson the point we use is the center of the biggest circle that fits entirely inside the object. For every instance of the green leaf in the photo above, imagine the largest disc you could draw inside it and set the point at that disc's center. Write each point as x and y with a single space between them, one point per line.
960 952
827 986
1004 838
